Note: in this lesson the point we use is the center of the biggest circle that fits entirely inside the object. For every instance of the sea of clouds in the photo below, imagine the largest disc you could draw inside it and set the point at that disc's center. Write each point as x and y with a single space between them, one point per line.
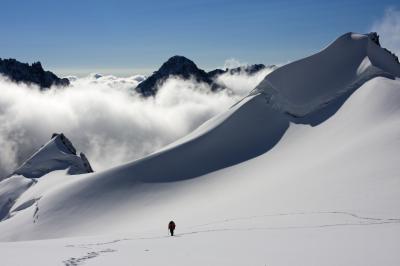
106 118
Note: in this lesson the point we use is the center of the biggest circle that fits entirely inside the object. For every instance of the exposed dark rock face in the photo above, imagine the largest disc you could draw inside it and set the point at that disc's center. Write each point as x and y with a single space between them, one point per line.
184 68
248 69
175 66
375 38
216 72
31 74
86 163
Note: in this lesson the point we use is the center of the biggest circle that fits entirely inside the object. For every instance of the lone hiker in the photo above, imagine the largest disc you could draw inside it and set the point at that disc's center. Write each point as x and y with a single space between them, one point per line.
171 227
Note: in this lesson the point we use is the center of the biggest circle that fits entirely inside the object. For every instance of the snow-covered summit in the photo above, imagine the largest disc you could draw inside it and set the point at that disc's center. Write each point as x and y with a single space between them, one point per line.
306 85
57 154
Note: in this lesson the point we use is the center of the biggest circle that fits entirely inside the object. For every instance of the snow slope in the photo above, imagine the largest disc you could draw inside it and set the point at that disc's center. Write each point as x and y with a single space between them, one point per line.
10 190
57 154
333 204
294 194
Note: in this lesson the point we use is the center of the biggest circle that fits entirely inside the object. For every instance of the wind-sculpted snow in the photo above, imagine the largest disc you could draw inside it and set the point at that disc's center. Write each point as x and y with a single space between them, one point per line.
10 190
302 87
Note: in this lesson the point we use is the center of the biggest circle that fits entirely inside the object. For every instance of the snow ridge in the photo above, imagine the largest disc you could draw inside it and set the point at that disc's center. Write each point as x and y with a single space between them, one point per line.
57 154
307 85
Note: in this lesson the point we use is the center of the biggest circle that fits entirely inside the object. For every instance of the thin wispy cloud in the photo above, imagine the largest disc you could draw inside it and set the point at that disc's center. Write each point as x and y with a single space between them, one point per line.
388 27
233 63
240 82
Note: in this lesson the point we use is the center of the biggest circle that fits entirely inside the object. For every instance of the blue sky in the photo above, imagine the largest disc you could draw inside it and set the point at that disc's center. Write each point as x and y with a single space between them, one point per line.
123 37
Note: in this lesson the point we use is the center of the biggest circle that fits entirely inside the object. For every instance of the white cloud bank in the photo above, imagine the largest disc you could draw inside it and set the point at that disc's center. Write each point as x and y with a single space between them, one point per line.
233 63
241 83
388 27
105 118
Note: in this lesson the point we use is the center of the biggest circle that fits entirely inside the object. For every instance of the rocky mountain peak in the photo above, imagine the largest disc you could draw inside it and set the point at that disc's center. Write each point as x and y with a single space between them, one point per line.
177 65
30 74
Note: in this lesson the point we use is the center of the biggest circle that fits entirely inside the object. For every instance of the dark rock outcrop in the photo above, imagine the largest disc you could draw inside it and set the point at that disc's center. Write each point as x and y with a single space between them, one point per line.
248 69
216 72
184 68
178 66
31 74
375 38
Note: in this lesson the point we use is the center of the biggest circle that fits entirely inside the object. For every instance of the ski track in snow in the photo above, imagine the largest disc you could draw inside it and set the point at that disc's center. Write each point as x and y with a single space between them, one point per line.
363 221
